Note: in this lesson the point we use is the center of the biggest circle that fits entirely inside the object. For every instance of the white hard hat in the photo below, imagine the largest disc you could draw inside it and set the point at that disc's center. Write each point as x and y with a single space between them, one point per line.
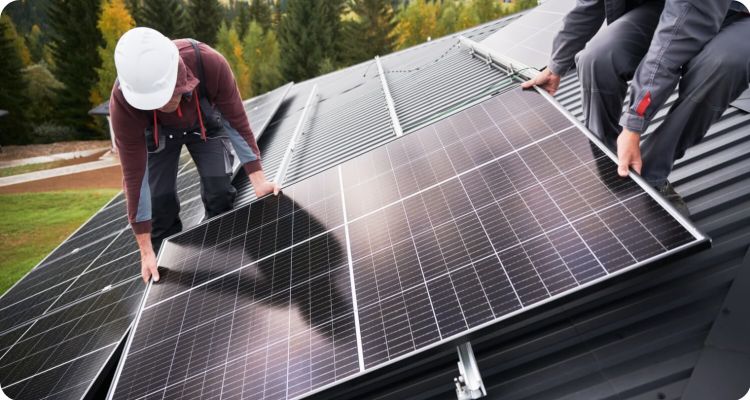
147 64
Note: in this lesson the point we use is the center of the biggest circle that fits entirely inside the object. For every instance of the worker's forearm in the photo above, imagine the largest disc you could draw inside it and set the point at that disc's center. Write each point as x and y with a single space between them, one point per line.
257 177
144 243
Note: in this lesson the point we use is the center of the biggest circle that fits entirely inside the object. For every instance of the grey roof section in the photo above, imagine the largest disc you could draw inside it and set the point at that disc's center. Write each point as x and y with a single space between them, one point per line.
3 113
101 109
433 91
351 116
743 102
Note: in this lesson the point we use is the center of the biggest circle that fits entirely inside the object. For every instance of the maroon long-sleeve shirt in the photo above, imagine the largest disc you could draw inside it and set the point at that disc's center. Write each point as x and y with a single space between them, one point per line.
129 123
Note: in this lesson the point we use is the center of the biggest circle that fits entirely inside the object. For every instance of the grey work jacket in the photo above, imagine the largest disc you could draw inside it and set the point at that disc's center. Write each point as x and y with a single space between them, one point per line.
685 26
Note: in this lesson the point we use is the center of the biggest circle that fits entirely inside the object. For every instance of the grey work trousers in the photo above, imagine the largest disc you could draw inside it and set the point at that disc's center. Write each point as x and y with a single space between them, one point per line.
213 160
709 82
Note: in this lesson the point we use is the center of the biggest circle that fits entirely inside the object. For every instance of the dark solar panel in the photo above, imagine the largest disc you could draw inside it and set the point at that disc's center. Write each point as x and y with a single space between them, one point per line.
261 109
493 210
63 320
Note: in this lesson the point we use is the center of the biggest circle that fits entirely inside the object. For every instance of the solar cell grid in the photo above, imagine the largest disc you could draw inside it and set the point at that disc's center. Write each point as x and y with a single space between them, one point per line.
489 212
59 340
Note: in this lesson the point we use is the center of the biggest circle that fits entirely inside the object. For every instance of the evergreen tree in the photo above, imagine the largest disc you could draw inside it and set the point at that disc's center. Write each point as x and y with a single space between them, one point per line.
263 58
166 16
35 42
229 45
371 32
113 23
205 16
307 37
260 12
74 40
134 8
13 89
242 21
26 13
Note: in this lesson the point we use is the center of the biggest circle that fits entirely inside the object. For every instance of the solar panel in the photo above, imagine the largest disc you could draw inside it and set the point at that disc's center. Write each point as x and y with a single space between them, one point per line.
485 214
261 109
528 39
85 293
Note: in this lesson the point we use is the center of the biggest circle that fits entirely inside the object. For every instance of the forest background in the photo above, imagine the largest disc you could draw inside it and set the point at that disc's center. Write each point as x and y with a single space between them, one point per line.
58 59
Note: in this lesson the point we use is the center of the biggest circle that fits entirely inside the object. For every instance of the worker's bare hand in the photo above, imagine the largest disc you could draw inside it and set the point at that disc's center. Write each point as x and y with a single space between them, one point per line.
148 266
628 152
261 185
266 187
546 80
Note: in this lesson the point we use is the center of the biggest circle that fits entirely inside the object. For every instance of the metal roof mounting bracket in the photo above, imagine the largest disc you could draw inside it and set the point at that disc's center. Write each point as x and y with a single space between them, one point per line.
511 66
389 100
281 173
469 383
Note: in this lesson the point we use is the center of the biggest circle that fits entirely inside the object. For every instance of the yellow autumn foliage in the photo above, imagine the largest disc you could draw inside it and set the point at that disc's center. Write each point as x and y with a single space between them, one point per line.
113 22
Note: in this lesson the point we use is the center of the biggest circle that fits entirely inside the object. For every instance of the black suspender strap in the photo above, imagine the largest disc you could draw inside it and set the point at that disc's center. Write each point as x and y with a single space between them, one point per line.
199 62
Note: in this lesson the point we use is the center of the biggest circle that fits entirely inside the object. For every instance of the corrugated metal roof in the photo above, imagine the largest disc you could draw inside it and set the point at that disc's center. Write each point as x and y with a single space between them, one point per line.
351 117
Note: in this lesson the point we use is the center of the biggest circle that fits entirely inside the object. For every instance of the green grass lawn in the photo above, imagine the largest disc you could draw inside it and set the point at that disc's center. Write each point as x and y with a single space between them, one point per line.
33 224
22 169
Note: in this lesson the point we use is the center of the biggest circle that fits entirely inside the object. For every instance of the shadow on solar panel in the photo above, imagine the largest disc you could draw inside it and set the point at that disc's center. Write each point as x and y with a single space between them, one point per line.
483 215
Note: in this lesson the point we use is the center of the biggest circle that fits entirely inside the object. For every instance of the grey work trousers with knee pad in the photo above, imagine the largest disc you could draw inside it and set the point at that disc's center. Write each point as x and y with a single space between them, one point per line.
709 82
213 159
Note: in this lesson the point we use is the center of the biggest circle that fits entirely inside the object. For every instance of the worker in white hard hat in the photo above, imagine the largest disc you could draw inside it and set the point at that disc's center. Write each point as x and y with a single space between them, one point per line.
171 93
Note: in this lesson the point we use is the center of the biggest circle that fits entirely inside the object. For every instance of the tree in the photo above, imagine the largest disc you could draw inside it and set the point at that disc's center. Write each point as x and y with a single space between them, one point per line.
74 40
371 32
13 89
263 58
23 50
416 23
134 8
242 21
19 12
260 12
114 21
485 10
204 17
450 18
228 44
35 43
166 16
307 37
42 86
520 5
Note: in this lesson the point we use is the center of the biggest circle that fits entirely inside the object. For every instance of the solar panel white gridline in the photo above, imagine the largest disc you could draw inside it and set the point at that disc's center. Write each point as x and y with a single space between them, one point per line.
442 277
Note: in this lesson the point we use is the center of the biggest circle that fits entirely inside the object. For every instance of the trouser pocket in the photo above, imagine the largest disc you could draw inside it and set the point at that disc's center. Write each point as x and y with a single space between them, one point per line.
226 146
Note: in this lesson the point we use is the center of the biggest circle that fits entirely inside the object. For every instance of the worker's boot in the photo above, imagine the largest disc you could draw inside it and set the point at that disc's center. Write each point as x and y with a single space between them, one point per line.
674 198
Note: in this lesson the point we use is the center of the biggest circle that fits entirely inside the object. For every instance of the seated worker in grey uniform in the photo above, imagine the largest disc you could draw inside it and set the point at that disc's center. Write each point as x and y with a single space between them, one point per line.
169 94
702 44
